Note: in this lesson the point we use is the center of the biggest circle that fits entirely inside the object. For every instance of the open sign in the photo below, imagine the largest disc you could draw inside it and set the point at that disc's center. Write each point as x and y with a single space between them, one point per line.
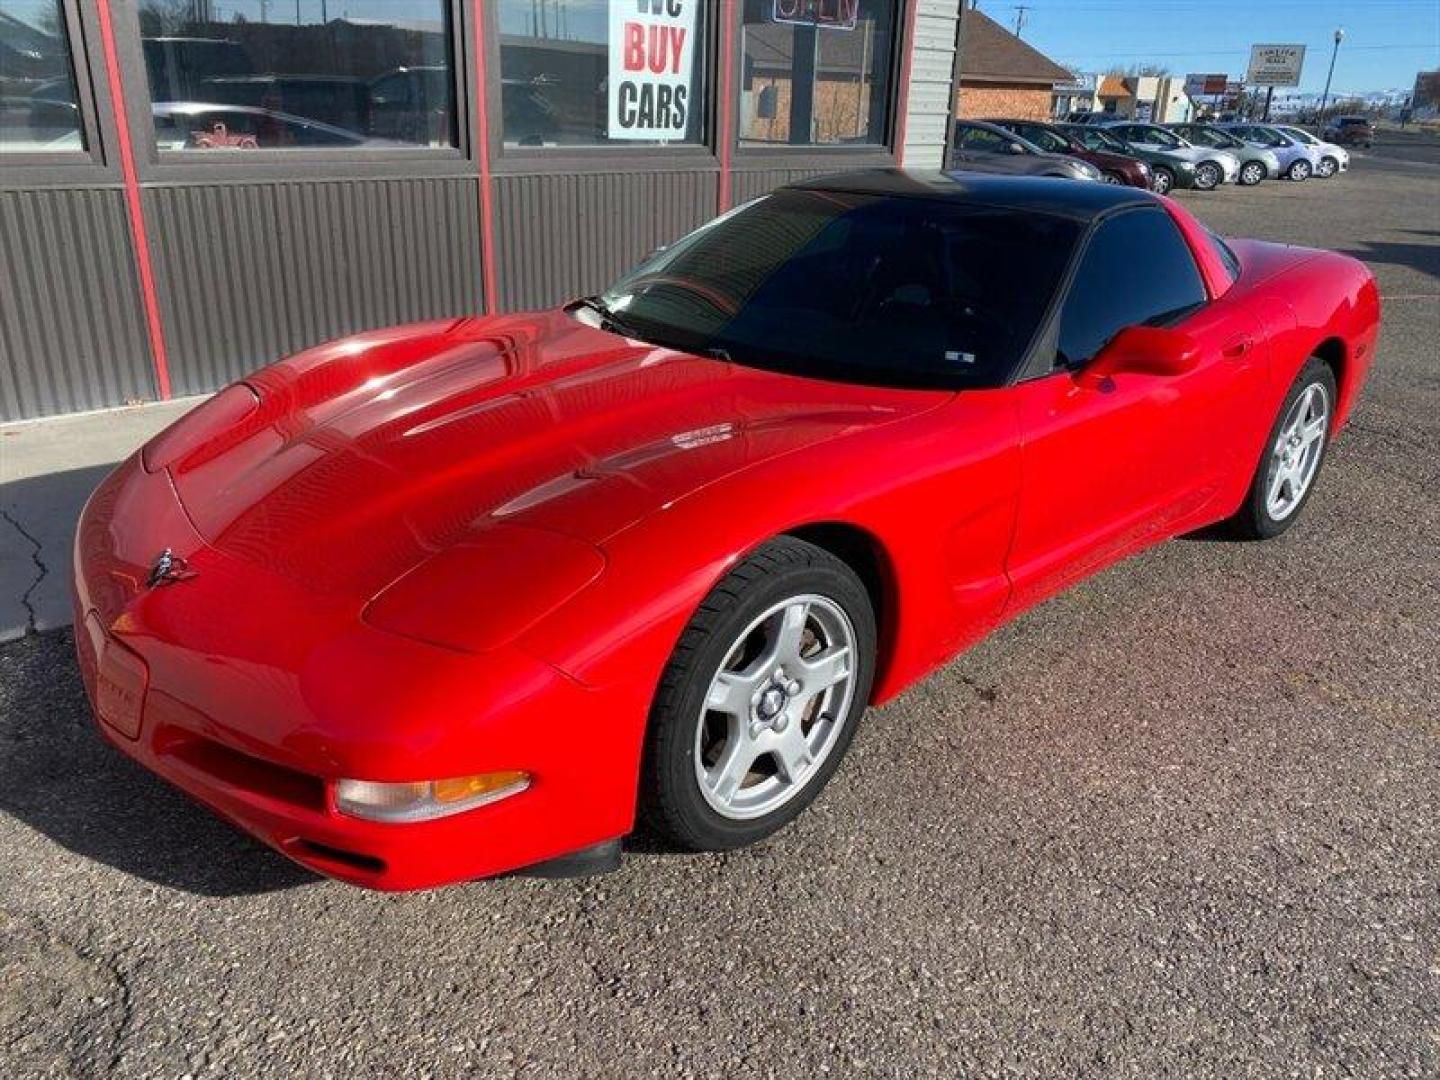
830 14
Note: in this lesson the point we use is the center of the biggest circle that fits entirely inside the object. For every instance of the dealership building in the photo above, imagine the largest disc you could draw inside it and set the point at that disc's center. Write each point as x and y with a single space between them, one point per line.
190 189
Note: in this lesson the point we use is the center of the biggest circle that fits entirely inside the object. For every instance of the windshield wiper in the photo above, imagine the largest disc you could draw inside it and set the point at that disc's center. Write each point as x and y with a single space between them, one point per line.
610 319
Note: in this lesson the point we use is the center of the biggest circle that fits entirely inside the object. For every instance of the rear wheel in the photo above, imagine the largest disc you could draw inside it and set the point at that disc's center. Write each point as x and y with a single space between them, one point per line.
1208 176
1327 167
1299 170
1162 180
1252 173
1287 472
760 700
1112 178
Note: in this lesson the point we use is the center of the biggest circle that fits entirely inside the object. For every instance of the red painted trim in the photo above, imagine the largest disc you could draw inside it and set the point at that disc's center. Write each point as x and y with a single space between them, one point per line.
148 295
487 210
728 30
903 108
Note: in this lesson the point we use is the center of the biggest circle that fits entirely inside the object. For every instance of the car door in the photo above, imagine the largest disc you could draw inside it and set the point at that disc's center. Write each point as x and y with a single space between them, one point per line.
1108 465
976 145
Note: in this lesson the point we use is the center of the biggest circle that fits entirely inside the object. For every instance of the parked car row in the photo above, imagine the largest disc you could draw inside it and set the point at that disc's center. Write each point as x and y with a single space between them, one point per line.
1160 157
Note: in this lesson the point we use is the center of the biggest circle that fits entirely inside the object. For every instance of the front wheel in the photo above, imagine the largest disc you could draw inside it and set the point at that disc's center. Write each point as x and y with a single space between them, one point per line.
1299 170
1287 472
1252 173
1162 180
760 699
1327 168
1208 176
1112 178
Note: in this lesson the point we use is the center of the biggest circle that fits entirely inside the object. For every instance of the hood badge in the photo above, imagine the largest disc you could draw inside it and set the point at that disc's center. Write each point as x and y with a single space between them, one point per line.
169 568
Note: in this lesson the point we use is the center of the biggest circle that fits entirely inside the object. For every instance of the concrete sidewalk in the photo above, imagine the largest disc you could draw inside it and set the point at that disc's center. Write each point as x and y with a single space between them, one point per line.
47 470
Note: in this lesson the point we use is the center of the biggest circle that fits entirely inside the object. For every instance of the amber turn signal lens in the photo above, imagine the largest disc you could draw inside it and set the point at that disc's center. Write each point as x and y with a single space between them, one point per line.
462 788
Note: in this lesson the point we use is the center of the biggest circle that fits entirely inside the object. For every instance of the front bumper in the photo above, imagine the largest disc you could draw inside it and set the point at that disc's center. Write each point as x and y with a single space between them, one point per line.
253 696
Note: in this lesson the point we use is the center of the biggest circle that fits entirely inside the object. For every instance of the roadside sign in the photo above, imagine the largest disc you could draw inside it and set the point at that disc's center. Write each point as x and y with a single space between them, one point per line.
652 56
1275 65
1205 85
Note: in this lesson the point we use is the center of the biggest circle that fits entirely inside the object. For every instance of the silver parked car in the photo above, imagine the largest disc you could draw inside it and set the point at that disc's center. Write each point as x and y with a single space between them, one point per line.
1212 167
1332 157
1297 161
983 147
1257 162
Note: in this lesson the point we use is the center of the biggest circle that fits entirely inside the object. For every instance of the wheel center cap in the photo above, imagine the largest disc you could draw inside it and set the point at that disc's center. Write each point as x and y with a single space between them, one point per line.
772 702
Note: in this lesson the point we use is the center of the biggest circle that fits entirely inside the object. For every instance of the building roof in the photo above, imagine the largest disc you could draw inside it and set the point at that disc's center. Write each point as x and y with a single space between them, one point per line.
990 53
1033 194
1113 86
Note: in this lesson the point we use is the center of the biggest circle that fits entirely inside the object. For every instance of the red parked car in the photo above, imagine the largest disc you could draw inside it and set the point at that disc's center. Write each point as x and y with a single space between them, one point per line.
442 601
1114 168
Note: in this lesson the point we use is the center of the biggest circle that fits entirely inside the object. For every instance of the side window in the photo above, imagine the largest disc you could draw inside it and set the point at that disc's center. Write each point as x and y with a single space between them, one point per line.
1136 270
981 139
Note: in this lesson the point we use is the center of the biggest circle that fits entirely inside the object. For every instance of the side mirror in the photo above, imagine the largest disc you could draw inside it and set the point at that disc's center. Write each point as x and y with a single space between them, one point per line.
1016 148
1143 350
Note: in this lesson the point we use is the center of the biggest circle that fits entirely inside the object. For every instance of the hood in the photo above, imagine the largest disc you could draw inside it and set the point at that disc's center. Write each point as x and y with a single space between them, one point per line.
366 456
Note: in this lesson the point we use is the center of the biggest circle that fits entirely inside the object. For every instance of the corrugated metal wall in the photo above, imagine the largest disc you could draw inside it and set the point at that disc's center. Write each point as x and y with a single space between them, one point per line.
563 235
247 273
930 83
72 331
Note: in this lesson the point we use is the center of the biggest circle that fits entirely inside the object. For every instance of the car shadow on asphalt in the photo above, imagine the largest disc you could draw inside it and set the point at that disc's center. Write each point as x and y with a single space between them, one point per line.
59 777
1423 257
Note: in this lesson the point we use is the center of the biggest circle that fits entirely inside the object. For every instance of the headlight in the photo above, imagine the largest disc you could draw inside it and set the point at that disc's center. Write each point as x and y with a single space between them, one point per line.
1144 169
425 800
1186 166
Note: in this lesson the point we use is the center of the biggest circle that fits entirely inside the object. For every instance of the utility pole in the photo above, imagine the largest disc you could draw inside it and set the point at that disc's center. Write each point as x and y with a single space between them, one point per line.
1325 97
1020 10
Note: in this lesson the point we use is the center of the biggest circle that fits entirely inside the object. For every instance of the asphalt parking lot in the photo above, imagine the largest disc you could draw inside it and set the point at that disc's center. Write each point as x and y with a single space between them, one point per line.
1178 822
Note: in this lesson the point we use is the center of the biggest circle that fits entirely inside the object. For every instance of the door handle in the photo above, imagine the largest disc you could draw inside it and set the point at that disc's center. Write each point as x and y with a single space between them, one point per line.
1238 347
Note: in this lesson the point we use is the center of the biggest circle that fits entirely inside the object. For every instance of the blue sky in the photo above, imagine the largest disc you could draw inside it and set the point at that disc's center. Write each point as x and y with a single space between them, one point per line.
1386 41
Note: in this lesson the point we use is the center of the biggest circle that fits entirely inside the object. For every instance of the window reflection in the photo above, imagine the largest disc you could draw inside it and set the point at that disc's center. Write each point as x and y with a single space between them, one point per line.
38 101
307 74
815 71
594 73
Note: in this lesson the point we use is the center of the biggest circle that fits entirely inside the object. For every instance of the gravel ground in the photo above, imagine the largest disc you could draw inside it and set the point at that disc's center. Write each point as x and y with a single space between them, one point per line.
1178 822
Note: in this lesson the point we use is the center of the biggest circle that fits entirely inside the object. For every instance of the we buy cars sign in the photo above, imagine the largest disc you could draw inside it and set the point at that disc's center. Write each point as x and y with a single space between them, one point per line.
652 53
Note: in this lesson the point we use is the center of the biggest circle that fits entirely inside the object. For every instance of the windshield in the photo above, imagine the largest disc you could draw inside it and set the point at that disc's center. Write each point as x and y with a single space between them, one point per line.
1268 137
1304 136
1044 139
1161 137
1095 139
895 291
1210 137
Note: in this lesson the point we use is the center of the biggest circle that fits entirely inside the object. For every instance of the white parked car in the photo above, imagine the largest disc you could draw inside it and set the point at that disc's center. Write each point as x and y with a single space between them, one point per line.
1332 157
1297 161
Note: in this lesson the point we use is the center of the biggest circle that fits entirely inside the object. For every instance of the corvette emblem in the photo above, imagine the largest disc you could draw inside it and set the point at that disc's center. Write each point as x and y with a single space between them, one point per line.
168 569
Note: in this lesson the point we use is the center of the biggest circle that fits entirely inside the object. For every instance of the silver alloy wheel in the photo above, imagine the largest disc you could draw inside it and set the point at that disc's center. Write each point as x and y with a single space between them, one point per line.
775 708
1326 168
1252 174
1111 178
1297 451
1160 182
1300 170
1208 176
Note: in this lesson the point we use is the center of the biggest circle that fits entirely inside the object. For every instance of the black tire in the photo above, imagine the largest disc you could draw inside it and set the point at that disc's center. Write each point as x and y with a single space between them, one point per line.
1327 168
1162 180
1112 178
671 800
1299 170
1251 173
1208 176
1254 521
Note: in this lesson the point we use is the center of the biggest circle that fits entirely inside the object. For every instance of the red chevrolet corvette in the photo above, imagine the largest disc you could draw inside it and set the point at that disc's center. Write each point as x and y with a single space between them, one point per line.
452 599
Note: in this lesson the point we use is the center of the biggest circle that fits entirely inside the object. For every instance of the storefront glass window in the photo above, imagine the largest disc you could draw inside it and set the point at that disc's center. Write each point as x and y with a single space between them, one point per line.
299 74
38 102
816 72
592 73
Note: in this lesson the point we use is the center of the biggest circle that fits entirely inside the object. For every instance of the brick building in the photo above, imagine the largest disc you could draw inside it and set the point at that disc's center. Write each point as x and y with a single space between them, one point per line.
1000 75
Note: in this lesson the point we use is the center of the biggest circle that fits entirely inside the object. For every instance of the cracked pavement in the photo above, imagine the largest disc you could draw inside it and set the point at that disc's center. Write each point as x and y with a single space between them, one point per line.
1178 822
